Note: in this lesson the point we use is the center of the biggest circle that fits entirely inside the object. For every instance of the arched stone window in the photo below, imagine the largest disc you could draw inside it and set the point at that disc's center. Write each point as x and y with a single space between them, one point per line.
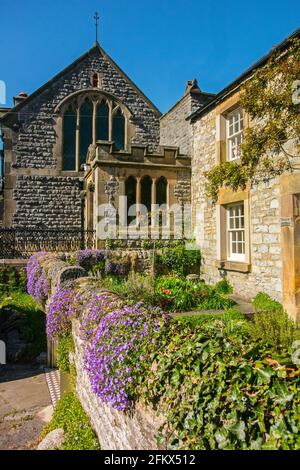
118 129
102 121
69 140
85 130
130 193
161 191
87 117
95 80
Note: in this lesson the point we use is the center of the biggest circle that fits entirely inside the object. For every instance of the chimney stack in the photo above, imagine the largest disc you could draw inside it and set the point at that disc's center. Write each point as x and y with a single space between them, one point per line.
21 97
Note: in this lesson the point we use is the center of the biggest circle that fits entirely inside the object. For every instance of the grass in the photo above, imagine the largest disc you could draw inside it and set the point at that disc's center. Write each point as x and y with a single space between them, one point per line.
70 416
32 321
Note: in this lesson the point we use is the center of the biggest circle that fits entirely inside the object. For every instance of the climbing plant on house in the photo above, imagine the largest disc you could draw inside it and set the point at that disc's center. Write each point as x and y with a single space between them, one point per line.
271 99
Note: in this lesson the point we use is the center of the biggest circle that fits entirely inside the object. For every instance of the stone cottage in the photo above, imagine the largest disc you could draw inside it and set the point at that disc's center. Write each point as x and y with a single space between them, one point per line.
251 237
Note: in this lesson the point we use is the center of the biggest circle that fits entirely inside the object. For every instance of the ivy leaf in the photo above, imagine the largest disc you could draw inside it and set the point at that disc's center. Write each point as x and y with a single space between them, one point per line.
265 374
283 395
221 437
239 430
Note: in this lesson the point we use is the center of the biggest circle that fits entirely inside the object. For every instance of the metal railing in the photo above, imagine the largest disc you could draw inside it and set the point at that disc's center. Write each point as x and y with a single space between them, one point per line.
17 243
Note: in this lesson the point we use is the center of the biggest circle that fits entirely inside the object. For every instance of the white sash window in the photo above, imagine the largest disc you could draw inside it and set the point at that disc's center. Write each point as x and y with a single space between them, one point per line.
236 232
235 126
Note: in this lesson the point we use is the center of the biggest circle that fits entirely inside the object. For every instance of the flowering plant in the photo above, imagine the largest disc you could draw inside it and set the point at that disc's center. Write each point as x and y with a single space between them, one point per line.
87 259
37 284
114 356
62 307
120 268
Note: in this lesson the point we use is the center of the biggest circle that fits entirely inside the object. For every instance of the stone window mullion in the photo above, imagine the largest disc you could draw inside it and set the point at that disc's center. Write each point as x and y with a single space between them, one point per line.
78 139
110 123
95 104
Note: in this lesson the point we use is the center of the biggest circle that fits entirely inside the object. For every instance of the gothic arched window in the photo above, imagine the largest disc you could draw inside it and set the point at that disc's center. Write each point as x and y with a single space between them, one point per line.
130 193
146 190
69 140
118 130
161 191
86 130
102 121
87 119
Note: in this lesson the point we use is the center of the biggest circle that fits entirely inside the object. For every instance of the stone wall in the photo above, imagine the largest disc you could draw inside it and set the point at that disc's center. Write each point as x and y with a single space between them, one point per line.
264 222
132 430
43 201
174 128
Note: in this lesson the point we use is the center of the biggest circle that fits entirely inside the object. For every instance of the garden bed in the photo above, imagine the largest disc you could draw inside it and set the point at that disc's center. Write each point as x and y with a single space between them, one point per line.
219 381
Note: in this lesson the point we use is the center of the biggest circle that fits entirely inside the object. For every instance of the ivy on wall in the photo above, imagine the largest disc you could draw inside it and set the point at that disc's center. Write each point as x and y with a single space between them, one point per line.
271 99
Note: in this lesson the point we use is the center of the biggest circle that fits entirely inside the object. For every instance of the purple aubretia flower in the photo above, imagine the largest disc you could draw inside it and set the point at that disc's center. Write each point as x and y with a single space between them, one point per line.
62 307
113 354
37 284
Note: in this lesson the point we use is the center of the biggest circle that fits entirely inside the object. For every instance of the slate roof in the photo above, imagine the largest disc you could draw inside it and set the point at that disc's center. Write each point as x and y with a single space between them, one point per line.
70 67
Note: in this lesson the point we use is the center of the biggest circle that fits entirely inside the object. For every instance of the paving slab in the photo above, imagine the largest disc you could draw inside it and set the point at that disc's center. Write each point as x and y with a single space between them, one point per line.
25 406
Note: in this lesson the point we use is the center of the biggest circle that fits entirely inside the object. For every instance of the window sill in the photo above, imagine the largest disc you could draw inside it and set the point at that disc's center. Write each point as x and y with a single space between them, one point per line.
237 266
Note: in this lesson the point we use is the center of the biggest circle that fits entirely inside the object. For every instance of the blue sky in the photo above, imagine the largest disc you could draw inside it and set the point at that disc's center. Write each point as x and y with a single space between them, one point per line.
159 43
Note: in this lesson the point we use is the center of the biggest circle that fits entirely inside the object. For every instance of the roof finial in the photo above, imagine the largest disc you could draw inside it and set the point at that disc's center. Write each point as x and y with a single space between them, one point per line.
96 18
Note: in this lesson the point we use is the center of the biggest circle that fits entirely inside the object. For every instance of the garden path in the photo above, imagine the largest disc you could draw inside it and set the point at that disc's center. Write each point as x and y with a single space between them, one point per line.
25 406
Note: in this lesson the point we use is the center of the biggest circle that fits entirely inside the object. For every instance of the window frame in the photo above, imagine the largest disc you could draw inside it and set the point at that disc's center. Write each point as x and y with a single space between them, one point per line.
231 256
236 135
76 101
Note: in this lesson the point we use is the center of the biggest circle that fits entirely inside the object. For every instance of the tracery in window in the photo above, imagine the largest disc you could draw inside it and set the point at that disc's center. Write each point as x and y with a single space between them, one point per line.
85 122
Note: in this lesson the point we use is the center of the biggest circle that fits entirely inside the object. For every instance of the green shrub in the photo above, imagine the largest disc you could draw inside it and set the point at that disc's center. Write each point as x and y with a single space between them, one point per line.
220 390
213 300
271 324
173 293
64 347
263 302
70 416
178 294
12 279
178 261
98 269
32 320
224 287
136 288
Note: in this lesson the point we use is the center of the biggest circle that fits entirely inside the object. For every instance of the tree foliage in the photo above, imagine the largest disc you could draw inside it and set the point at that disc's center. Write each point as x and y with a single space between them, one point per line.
271 142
